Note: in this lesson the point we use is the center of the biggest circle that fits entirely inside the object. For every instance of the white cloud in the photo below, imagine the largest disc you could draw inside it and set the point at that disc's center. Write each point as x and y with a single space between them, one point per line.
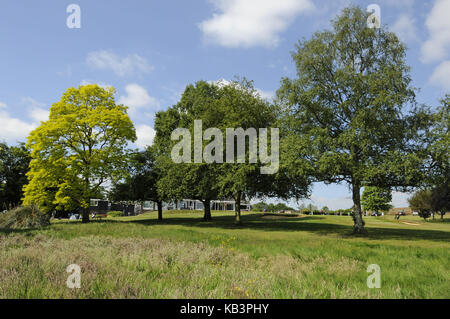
101 84
37 111
122 66
14 130
32 103
405 28
137 97
247 23
145 135
403 4
267 95
438 25
441 76
39 114
400 200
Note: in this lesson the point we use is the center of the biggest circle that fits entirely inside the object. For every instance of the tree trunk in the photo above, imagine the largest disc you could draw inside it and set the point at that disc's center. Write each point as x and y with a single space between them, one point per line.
358 227
237 208
159 204
207 209
87 198
85 215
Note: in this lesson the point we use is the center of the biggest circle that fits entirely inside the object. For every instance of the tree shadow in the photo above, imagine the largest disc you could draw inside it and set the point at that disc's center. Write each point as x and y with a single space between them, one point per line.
26 231
255 222
313 224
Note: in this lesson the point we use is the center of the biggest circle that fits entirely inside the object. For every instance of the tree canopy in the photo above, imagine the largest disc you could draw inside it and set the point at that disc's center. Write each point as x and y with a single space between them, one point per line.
220 106
82 145
142 182
14 161
376 199
350 115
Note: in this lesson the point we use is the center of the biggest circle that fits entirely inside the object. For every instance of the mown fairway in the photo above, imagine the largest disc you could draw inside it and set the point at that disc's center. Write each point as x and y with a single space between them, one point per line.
184 257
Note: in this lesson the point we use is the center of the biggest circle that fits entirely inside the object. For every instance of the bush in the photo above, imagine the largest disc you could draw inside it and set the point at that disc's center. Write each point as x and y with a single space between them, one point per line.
24 217
115 214
424 214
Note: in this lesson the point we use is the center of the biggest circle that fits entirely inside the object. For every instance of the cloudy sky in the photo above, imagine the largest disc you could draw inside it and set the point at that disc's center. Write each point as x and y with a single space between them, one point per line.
150 50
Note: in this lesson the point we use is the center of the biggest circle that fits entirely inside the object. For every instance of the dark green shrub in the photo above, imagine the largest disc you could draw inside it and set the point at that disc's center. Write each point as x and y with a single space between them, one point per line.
24 217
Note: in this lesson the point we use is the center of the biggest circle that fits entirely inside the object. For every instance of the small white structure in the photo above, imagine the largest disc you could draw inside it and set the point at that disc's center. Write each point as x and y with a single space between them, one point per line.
193 204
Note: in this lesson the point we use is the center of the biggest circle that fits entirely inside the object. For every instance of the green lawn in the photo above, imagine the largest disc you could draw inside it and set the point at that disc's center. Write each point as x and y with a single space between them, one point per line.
185 257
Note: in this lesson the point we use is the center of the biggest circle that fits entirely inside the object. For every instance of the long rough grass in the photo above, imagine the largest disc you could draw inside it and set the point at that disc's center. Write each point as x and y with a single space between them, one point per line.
183 257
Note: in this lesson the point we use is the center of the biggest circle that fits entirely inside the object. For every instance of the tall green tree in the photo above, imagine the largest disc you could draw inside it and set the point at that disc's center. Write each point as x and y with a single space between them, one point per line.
142 182
14 162
438 142
376 199
347 113
437 159
81 146
244 108
421 201
220 106
188 180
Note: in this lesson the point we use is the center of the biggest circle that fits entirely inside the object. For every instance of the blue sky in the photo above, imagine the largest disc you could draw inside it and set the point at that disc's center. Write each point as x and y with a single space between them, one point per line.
150 50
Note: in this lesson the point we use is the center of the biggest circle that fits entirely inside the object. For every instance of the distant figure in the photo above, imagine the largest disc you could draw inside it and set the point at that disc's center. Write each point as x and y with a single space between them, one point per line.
397 216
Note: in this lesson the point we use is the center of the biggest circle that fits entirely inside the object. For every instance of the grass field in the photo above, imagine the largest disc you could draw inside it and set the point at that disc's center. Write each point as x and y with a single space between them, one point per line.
266 257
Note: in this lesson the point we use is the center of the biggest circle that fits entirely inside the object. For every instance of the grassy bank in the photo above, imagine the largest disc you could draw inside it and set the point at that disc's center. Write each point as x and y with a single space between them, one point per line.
266 257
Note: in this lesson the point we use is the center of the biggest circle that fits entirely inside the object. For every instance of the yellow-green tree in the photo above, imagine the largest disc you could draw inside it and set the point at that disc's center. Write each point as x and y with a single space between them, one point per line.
81 146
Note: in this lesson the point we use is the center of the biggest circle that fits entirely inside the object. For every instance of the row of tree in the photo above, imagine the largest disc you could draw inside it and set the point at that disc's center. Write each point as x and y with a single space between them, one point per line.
261 207
350 116
14 161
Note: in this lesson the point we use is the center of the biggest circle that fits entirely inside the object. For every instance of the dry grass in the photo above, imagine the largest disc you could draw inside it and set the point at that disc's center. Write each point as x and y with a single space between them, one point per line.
156 268
186 258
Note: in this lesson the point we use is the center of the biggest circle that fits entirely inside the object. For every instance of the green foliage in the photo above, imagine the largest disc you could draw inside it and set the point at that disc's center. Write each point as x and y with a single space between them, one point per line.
421 201
376 199
24 217
428 201
81 146
224 105
347 114
260 207
141 183
188 180
14 162
437 166
115 214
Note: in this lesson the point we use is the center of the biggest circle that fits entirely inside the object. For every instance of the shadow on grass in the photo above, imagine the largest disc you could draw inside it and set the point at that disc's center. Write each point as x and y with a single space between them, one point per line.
24 231
255 222
313 224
